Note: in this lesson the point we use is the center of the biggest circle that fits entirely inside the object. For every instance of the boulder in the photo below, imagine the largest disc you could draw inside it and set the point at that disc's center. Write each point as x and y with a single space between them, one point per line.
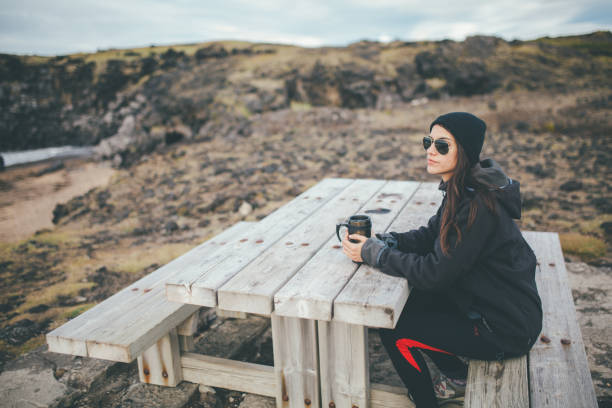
142 395
44 379
257 401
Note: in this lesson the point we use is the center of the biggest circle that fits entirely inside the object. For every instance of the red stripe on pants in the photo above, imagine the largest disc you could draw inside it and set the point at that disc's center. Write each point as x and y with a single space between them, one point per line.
404 346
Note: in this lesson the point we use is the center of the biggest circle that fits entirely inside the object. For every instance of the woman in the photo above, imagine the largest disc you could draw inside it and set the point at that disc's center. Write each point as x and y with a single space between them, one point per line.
471 272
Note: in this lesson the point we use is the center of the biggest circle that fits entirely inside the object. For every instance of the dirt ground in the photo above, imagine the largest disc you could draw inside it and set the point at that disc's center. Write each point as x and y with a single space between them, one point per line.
27 200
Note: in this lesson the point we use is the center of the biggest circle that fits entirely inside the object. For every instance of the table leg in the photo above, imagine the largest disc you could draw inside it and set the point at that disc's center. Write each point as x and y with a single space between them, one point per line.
295 362
160 364
343 353
186 330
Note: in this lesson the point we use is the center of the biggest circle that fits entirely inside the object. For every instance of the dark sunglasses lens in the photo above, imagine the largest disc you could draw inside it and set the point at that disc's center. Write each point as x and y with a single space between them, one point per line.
441 146
426 142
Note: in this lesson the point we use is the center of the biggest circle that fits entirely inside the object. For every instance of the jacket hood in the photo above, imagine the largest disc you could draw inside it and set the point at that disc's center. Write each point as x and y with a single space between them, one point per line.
506 190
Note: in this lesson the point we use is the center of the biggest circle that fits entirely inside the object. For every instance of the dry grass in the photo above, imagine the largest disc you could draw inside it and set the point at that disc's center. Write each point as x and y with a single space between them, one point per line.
48 295
135 260
588 248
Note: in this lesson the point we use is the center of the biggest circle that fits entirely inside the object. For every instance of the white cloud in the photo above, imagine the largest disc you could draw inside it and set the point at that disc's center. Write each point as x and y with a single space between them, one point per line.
385 38
506 18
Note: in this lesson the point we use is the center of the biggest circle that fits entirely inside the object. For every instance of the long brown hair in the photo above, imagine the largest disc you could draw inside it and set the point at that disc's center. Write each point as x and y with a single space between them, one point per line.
455 191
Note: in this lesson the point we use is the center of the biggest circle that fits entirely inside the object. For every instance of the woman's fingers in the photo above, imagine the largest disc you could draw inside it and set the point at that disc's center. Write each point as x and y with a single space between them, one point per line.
358 237
351 249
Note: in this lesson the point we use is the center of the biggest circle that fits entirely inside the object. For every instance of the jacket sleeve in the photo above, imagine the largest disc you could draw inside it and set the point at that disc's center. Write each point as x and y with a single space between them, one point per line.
434 270
419 240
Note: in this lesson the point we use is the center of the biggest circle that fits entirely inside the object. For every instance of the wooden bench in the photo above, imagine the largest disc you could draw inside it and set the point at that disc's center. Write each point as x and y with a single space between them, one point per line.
290 268
556 372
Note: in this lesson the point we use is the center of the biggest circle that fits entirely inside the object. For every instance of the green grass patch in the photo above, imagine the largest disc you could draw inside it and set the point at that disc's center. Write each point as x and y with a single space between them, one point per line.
588 248
77 310
50 237
26 347
49 295
300 106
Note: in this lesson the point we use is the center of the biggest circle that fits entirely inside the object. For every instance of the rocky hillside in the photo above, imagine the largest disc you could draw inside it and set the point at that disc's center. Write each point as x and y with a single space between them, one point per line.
164 94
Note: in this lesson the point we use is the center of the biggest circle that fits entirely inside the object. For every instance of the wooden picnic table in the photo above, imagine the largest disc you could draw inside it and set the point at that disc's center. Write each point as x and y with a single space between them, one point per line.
290 266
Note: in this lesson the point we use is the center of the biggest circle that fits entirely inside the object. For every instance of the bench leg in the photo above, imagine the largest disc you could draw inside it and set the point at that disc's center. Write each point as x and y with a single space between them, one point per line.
295 362
160 364
186 330
345 377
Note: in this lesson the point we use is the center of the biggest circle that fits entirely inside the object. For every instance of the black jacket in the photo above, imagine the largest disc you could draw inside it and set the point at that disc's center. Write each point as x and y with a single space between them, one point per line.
489 275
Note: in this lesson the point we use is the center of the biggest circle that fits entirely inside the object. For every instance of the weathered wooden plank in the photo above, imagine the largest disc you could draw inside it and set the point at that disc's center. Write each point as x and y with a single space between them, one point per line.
386 396
198 283
497 384
344 364
253 288
310 293
131 332
559 373
231 314
372 298
229 374
160 364
296 364
124 335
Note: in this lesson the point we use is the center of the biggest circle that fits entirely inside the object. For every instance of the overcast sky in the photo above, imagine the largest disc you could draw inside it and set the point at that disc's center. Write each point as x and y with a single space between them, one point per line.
53 27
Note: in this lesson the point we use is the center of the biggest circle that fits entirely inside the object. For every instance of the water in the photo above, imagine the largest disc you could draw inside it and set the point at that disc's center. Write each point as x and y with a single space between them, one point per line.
36 155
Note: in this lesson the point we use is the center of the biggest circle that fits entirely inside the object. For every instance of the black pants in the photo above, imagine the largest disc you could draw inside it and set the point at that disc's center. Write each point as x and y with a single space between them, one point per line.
432 325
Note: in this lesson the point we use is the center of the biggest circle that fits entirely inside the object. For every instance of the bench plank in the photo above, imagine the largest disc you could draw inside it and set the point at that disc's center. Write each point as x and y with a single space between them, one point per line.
106 331
497 384
372 298
559 373
198 283
310 293
253 288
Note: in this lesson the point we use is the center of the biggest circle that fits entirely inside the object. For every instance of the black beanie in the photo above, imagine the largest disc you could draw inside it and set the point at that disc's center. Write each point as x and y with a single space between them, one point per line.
467 129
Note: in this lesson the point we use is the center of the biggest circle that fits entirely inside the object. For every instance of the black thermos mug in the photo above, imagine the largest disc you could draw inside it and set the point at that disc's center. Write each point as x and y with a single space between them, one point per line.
357 224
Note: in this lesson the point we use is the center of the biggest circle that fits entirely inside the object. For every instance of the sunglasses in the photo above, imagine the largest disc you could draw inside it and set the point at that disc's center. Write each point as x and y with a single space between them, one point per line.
441 145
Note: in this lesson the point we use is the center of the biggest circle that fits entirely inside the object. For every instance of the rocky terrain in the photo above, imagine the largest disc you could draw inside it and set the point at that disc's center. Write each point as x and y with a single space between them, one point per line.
203 136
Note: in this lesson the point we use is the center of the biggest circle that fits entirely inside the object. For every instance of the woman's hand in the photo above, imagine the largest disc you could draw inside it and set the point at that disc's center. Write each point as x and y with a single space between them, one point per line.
353 250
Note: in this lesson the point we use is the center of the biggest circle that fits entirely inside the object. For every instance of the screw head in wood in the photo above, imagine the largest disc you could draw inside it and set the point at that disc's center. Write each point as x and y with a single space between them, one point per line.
285 398
307 401
146 371
545 339
164 374
332 405
565 342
